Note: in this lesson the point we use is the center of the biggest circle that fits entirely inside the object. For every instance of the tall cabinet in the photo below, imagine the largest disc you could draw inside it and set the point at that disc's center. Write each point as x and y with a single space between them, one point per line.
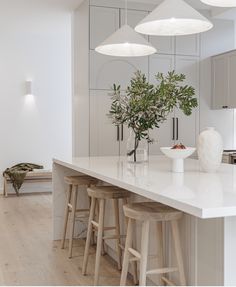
93 84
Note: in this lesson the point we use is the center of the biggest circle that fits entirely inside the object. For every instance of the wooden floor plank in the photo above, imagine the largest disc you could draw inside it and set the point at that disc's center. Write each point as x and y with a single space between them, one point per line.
28 256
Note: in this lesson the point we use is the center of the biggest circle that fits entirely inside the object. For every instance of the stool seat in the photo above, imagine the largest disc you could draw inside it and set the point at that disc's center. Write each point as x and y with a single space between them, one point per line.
152 211
80 180
108 192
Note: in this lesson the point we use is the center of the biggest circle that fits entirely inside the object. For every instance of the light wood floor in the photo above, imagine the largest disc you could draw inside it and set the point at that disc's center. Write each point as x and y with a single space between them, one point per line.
28 256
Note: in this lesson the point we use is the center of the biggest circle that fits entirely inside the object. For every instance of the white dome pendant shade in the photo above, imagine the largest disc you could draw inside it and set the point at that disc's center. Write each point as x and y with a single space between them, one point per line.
174 18
125 42
220 3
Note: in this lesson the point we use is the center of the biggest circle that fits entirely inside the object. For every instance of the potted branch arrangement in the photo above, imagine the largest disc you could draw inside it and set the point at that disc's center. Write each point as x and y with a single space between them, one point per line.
145 106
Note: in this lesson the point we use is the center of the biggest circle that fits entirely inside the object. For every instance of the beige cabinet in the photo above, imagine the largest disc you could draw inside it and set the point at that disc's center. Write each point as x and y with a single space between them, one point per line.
103 22
163 44
165 135
104 136
105 71
188 45
187 126
223 81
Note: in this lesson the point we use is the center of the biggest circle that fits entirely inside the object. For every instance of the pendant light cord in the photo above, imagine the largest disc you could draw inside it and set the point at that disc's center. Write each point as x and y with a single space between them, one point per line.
126 12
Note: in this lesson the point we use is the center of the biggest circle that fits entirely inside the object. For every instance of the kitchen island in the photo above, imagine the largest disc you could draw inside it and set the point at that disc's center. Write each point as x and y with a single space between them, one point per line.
208 228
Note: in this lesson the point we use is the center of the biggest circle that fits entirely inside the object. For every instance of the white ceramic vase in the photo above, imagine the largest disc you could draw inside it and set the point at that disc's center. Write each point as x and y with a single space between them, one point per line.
210 150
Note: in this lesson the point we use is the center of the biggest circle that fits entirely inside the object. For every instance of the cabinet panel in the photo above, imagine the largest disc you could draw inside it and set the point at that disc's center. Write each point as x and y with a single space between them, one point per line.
105 71
103 22
134 17
103 134
160 64
188 125
220 87
188 45
163 44
164 135
232 80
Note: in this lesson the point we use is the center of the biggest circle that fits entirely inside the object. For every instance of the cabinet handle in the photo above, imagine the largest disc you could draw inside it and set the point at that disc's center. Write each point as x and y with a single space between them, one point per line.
177 131
173 121
225 107
122 132
117 133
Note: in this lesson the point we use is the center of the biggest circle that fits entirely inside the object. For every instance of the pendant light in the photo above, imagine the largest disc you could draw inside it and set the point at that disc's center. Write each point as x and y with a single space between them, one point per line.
174 18
220 3
125 42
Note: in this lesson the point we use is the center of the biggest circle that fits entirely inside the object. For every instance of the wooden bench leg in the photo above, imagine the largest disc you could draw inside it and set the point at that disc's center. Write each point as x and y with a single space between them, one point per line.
5 188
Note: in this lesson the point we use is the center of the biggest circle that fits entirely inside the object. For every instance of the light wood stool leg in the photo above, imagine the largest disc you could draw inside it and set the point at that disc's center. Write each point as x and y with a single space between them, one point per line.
128 244
73 212
117 225
66 217
99 240
144 253
160 243
89 234
178 252
133 263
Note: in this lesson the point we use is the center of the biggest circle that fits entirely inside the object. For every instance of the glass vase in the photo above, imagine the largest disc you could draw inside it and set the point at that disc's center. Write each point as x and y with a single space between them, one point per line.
137 151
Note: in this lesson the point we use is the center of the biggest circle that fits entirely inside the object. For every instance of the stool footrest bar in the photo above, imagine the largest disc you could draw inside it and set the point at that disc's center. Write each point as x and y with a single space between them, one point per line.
135 253
167 281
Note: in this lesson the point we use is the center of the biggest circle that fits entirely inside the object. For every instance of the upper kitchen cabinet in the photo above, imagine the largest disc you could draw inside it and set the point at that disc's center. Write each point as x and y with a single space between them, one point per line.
134 17
103 22
105 71
160 64
163 44
188 45
221 76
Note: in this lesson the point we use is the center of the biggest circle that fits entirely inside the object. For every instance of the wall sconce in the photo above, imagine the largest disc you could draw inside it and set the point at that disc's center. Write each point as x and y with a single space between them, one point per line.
29 87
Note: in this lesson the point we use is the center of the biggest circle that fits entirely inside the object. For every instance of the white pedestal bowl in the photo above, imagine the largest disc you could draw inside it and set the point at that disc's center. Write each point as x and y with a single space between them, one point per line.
178 156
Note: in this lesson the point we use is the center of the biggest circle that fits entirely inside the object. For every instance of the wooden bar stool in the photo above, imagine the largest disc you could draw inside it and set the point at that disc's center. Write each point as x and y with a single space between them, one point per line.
74 182
147 212
100 195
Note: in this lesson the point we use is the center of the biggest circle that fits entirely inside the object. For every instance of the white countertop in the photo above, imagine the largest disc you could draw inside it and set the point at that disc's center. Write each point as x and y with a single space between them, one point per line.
200 194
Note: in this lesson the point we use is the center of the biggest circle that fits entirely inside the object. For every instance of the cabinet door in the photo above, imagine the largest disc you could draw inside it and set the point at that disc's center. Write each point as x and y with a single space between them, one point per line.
105 71
164 135
232 80
134 17
104 139
188 45
103 22
187 126
163 44
220 82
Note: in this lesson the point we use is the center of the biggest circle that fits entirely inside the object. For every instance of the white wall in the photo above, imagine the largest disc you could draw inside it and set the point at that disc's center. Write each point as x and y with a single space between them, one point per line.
35 42
218 40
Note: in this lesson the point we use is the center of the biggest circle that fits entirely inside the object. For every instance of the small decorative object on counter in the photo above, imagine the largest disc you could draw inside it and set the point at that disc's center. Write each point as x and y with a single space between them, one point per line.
210 150
178 153
144 107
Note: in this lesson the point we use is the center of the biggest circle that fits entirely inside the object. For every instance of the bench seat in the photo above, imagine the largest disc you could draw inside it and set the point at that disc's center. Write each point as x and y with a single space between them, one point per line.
32 176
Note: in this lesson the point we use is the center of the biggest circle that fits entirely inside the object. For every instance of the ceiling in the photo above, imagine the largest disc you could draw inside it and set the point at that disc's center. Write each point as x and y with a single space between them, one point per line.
195 3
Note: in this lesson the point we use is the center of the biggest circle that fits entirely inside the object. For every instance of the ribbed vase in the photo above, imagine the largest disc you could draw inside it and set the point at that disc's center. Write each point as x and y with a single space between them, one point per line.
210 150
